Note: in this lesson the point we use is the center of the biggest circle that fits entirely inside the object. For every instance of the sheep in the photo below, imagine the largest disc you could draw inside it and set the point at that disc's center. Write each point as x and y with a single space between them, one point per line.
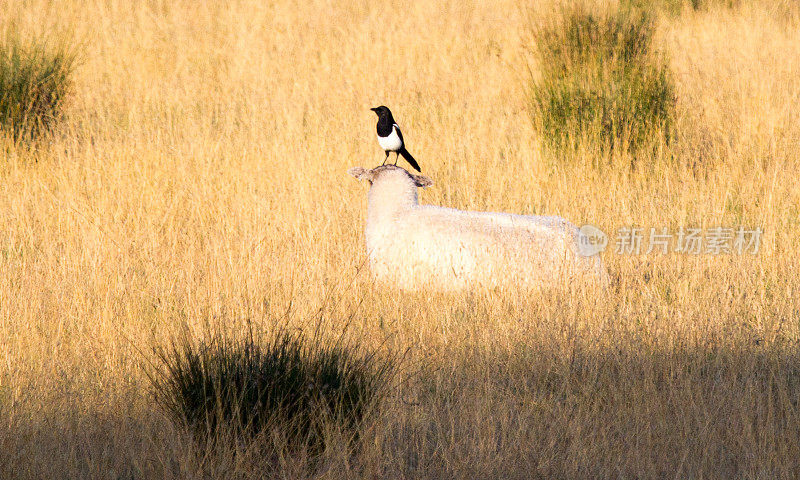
413 246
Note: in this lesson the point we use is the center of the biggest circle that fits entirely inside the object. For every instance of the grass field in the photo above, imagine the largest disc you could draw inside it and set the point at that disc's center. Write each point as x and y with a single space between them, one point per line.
198 183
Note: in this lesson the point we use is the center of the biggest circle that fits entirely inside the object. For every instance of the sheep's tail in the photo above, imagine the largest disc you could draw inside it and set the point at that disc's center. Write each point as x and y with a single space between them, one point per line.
410 159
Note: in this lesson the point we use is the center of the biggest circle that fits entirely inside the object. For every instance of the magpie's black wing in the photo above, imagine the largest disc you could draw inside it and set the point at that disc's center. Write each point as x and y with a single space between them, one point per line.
399 134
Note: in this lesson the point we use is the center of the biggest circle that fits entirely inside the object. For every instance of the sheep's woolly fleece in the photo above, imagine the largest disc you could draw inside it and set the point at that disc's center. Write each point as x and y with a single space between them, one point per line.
415 246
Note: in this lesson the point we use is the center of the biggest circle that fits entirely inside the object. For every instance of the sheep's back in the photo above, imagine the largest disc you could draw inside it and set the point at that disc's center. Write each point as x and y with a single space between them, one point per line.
453 249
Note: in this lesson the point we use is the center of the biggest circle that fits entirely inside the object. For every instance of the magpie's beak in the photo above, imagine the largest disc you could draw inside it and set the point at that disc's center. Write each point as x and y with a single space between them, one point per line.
374 109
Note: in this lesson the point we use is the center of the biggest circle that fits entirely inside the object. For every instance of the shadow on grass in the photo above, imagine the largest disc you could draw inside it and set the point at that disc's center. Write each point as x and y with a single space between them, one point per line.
122 441
570 408
584 411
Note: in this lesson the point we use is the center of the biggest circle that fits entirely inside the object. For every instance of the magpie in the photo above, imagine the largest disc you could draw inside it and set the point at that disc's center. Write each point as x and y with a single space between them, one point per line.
390 138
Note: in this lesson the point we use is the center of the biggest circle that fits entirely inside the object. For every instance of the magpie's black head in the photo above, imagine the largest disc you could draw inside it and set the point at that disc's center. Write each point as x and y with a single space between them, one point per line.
381 111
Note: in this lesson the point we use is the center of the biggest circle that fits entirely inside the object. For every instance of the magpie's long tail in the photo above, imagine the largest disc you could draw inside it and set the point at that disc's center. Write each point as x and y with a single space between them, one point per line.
410 159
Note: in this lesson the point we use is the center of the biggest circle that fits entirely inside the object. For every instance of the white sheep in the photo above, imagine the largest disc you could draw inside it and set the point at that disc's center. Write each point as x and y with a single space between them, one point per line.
415 246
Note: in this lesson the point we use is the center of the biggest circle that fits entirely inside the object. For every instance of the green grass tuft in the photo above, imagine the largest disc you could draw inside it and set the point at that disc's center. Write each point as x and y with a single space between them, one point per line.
297 387
35 79
600 83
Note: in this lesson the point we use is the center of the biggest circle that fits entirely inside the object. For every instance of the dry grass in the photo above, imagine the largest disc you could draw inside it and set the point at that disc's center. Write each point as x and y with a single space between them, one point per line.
200 180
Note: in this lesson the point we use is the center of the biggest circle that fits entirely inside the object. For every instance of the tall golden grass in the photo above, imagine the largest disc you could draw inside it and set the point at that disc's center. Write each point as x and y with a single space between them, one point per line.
199 183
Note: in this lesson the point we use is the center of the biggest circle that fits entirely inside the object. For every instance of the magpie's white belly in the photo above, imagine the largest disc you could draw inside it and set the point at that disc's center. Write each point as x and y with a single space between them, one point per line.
391 142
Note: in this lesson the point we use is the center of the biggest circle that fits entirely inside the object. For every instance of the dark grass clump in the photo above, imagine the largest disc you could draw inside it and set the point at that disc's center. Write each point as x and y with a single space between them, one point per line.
35 79
600 83
296 387
674 7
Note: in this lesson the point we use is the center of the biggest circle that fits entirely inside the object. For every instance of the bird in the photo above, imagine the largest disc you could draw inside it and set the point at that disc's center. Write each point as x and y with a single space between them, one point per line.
391 138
